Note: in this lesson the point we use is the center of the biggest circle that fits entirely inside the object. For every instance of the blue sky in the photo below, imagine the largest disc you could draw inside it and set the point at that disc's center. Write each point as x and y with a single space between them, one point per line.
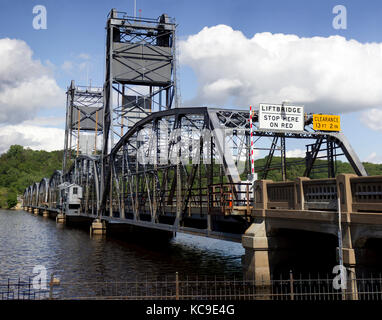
73 45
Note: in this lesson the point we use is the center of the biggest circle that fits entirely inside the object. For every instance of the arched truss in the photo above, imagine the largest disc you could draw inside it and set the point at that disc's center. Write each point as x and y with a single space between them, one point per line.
27 199
85 172
152 175
53 192
43 192
34 200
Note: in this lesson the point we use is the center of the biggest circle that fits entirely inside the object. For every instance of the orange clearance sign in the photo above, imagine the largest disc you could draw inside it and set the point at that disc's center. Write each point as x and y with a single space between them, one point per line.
326 122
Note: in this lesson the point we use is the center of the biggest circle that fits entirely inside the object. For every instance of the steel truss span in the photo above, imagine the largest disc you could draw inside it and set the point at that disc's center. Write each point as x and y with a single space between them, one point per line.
187 167
182 169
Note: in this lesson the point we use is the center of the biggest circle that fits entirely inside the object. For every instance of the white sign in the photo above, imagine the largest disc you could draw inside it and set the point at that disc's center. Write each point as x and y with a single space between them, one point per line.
281 118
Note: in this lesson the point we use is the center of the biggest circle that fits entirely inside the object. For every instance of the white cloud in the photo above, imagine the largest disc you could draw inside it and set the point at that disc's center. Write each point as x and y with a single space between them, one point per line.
325 74
67 66
34 137
83 65
372 119
26 85
84 56
296 153
374 158
46 121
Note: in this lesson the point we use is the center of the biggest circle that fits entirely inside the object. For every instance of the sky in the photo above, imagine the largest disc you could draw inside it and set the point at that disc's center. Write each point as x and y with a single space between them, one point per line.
230 54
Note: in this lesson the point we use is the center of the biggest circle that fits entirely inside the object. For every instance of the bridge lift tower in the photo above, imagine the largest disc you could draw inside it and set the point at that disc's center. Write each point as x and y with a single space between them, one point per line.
84 122
140 71
139 77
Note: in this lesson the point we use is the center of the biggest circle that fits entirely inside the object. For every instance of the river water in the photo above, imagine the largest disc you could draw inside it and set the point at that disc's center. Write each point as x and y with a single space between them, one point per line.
27 241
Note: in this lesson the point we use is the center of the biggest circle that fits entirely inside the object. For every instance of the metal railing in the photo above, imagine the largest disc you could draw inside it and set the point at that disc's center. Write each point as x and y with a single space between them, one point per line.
224 197
18 289
320 194
175 287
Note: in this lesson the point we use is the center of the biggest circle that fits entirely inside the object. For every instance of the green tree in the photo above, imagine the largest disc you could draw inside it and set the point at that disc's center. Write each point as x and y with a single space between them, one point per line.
11 200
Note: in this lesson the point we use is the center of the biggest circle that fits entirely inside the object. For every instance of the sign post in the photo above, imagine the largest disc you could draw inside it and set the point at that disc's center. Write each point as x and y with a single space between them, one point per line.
251 151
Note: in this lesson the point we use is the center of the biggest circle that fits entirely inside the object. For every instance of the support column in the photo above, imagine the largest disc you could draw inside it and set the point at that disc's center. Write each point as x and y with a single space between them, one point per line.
345 194
35 211
45 213
256 258
348 253
98 227
349 261
300 199
260 195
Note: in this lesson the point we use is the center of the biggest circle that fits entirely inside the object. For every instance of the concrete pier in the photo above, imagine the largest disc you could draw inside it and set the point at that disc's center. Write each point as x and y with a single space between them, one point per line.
256 259
60 218
98 227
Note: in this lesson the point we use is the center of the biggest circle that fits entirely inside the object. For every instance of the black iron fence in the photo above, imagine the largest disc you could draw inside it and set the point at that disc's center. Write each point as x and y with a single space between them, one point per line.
18 289
198 288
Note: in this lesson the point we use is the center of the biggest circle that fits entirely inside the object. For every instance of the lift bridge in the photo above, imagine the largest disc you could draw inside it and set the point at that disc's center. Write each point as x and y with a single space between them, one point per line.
133 158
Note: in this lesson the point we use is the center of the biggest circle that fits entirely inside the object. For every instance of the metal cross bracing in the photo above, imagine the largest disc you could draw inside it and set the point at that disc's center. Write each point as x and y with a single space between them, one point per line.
333 140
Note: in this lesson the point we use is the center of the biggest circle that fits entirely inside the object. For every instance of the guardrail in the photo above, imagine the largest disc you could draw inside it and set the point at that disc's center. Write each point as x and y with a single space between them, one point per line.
367 193
356 194
227 196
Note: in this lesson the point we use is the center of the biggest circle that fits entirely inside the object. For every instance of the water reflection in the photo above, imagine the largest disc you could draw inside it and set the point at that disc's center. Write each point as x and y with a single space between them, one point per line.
28 240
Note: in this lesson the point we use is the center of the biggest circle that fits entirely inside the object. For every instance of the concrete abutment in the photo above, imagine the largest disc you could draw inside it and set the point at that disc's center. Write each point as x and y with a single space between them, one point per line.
272 252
